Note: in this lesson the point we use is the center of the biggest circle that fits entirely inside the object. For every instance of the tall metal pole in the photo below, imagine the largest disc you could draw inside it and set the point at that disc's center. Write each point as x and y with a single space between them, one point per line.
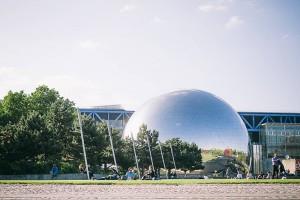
83 146
112 146
173 157
149 150
136 160
162 157
285 138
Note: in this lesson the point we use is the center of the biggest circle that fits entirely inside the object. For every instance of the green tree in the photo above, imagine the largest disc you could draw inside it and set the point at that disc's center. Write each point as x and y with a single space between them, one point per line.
42 98
190 157
125 155
35 129
143 153
13 107
60 122
187 156
23 143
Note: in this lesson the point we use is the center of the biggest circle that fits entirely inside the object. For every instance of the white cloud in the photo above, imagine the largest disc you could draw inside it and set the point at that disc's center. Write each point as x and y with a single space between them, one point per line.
84 91
127 8
16 80
212 7
158 20
233 22
286 36
88 44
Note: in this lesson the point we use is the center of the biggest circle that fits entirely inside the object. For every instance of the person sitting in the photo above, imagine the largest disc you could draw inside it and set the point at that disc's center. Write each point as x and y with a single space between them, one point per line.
239 175
130 174
150 173
54 171
173 175
249 175
261 175
269 175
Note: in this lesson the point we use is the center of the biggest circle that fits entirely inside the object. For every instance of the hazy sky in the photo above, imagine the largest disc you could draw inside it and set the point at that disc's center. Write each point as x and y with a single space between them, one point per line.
103 52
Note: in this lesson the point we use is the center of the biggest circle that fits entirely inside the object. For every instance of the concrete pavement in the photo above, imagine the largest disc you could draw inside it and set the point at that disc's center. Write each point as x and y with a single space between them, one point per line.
199 191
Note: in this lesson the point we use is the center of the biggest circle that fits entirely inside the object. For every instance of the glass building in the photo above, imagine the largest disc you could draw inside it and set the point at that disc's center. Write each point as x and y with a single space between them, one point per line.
282 138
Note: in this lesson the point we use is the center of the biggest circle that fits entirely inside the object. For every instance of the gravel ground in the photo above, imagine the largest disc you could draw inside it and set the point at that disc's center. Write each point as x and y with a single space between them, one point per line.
202 191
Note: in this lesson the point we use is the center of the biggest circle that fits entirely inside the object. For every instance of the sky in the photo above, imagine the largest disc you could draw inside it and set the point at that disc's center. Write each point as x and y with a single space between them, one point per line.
104 52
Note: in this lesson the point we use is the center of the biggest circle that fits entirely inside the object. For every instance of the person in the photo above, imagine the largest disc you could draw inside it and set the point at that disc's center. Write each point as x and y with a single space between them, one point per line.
275 164
173 175
157 172
91 175
282 169
54 171
81 169
239 175
268 175
130 174
223 173
261 175
150 173
249 175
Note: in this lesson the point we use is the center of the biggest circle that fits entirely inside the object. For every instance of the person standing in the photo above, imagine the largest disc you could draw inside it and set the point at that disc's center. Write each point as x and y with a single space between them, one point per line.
275 163
54 170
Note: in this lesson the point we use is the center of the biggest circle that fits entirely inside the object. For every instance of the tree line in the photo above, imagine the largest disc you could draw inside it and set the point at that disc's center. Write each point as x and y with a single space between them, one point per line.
41 128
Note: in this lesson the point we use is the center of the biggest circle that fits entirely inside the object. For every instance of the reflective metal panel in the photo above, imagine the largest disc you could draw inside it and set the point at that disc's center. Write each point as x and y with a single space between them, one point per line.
193 116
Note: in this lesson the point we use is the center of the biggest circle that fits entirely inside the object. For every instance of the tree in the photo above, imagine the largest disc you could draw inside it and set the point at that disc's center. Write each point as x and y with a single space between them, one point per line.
143 153
23 143
59 119
13 107
190 157
42 98
187 156
35 129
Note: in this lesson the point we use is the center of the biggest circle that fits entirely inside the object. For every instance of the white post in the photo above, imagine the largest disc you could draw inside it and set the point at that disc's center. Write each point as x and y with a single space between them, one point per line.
83 146
111 143
149 150
173 157
162 156
136 160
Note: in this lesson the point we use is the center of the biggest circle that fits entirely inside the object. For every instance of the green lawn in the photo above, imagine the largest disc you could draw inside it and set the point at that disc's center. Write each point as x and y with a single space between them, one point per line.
161 182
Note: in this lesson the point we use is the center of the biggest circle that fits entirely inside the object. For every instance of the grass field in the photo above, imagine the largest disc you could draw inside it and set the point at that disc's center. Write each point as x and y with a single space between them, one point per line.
158 182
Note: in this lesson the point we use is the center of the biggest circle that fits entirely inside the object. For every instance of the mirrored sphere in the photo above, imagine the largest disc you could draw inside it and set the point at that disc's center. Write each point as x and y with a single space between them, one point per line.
193 116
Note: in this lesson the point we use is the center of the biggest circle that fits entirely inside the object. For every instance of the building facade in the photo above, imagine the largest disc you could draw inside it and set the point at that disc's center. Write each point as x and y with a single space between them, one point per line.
282 138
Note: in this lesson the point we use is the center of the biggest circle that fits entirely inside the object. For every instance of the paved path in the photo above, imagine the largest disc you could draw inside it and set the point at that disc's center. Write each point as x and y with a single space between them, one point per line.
201 191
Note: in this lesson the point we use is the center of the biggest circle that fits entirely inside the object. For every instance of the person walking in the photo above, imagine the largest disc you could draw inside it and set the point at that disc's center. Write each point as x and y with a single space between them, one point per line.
275 164
88 168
